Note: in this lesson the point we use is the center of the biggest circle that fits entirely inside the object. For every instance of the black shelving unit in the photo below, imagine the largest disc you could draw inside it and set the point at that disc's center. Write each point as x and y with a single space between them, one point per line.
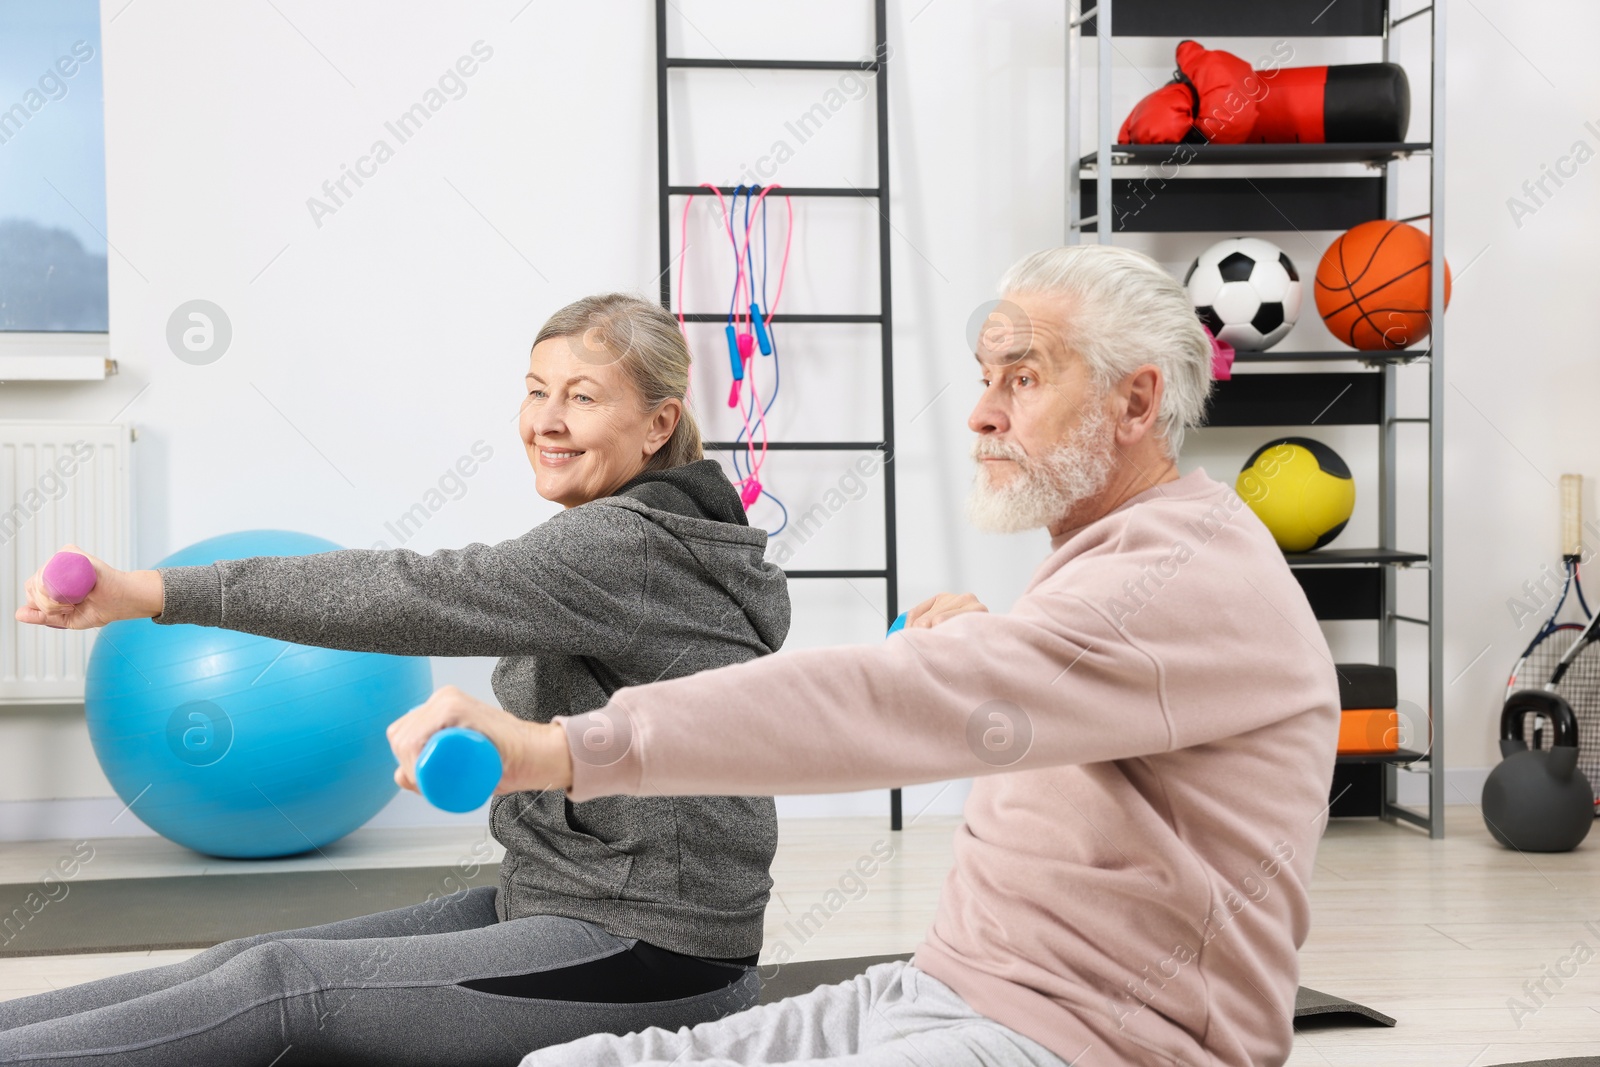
1209 154
1345 583
878 195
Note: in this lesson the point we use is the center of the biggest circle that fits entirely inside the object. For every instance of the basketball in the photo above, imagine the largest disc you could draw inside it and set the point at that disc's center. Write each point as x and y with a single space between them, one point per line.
1372 286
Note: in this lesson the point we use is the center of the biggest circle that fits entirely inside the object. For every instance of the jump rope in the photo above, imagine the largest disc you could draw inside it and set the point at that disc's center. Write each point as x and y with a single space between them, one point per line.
747 330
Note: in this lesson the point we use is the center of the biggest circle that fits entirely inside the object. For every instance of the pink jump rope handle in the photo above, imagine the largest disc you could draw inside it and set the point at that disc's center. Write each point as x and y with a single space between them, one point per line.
68 577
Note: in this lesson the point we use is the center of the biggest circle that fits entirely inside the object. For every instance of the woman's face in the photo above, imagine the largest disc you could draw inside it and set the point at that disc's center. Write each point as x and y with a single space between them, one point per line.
582 423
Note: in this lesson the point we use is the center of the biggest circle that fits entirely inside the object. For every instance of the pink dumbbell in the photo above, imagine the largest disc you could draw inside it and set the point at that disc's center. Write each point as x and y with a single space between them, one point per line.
68 577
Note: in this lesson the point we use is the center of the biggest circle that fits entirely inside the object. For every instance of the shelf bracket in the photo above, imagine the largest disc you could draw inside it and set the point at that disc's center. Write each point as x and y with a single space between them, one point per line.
1407 18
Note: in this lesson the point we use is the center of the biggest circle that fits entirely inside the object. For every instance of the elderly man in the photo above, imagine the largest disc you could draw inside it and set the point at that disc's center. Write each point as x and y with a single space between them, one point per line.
1151 729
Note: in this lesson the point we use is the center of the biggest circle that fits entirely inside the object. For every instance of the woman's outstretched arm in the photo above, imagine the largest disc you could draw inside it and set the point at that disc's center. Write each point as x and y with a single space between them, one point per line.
574 583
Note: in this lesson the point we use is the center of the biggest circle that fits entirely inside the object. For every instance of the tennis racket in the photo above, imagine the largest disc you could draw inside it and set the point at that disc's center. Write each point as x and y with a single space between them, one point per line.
1564 657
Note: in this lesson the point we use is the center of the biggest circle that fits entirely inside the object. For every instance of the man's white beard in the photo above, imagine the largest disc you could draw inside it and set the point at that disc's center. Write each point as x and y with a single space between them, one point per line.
1045 490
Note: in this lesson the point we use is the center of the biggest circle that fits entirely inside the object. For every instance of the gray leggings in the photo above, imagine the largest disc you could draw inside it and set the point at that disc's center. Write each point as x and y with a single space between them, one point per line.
380 989
891 1016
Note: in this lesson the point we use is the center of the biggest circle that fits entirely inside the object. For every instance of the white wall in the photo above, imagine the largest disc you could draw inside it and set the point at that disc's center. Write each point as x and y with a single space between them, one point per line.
372 350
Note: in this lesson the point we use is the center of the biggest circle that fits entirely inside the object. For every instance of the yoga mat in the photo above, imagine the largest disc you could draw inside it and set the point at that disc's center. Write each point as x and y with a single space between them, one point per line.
198 911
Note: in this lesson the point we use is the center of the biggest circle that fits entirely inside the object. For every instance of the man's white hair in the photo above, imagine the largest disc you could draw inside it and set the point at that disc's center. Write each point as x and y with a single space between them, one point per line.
1124 310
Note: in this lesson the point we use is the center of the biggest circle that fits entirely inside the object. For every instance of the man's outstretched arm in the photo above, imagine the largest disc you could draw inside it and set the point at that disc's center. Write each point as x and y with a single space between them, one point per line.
1054 682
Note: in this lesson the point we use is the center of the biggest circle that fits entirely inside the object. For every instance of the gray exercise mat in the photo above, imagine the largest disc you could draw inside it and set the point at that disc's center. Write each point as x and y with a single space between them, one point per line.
198 911
1313 1005
792 979
1570 1061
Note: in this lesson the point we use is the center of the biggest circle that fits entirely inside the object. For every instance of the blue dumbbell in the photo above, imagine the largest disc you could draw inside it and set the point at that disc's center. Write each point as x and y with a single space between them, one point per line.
458 769
898 624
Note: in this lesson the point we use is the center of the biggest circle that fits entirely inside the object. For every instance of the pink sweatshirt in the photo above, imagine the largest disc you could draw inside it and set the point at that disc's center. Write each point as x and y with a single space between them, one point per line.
1151 730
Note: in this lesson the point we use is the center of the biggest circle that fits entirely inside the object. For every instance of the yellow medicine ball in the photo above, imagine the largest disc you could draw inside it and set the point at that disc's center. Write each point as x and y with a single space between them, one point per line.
1300 489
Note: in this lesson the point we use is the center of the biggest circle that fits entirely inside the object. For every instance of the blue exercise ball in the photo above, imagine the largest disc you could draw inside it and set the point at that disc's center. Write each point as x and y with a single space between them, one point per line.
240 746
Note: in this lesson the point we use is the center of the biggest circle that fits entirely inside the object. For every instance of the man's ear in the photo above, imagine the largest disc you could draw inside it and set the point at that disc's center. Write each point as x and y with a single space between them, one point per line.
1139 401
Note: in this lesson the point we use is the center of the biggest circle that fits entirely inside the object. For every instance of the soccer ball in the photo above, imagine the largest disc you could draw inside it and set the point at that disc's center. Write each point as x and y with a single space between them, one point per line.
1246 291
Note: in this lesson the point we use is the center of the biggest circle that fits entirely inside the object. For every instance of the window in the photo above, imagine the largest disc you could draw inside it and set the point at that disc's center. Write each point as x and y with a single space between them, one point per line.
52 172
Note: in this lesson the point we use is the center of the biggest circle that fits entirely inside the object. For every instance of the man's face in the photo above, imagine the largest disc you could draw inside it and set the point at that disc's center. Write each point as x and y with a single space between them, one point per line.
1044 440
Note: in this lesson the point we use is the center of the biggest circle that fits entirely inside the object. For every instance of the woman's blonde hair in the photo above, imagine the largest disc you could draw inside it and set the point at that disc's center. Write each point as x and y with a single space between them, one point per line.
644 340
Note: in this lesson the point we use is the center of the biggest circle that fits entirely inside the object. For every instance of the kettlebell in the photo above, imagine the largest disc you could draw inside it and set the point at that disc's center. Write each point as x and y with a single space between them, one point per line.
1538 801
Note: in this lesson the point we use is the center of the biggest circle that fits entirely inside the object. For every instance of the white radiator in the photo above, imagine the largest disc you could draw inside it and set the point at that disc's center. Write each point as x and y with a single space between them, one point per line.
60 483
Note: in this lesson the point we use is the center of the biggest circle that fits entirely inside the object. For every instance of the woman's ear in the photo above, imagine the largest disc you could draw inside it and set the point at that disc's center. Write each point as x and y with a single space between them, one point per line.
663 421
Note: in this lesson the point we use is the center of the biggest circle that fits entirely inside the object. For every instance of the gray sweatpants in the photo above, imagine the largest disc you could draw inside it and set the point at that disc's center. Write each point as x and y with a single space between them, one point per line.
893 1015
379 989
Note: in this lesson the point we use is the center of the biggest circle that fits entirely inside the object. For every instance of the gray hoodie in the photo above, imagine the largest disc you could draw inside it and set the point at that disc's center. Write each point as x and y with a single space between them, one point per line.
663 579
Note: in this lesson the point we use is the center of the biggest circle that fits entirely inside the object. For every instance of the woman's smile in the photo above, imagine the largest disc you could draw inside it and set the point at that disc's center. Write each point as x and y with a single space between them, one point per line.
558 457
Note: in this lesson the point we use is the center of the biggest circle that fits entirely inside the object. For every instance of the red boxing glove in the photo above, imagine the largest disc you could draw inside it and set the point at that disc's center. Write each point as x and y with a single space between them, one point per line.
1212 97
1164 117
1228 89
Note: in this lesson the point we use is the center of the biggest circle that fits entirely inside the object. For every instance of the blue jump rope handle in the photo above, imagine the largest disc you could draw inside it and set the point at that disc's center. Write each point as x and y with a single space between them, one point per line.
761 330
898 624
458 769
733 353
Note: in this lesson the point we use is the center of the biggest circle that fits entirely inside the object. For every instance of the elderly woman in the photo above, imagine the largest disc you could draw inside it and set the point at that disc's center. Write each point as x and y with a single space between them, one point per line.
610 916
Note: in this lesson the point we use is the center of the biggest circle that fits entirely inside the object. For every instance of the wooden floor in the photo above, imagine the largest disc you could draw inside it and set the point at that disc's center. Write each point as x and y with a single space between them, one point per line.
1442 935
